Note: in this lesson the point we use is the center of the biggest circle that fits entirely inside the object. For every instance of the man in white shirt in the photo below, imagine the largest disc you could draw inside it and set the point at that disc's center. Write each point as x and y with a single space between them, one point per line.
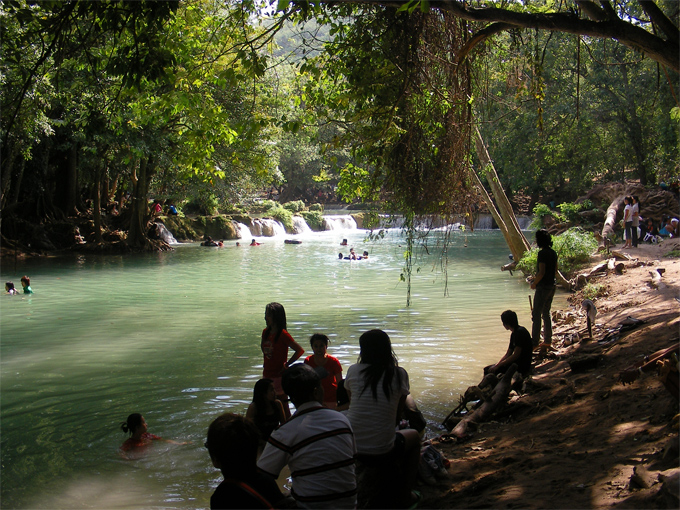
317 444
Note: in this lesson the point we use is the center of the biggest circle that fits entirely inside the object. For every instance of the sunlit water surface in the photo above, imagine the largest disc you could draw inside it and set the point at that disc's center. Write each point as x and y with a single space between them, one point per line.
175 336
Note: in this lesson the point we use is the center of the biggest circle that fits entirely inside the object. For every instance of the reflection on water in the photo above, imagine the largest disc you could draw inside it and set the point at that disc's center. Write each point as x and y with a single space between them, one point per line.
175 336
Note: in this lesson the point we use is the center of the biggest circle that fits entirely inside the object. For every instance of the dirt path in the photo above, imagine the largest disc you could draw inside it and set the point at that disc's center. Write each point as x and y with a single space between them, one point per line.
575 440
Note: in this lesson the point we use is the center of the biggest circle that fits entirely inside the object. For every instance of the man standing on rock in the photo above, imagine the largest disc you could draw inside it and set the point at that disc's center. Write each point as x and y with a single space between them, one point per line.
544 283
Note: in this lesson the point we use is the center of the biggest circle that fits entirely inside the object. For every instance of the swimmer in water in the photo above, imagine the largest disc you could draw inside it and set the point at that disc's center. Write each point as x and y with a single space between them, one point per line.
26 284
140 438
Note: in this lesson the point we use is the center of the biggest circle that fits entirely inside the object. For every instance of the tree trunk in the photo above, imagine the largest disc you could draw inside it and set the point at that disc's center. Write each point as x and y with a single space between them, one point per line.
483 412
7 166
610 219
72 180
97 206
503 214
137 234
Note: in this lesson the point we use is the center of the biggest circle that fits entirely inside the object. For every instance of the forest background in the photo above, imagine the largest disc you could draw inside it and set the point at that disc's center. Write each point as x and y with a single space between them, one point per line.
215 105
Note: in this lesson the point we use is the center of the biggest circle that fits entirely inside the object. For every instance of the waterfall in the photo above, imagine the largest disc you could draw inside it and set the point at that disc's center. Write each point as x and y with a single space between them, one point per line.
267 227
524 222
243 230
486 222
165 234
300 225
339 223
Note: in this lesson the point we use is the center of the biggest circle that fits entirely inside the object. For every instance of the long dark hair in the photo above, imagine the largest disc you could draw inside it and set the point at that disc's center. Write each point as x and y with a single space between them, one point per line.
278 313
377 353
132 423
543 238
260 396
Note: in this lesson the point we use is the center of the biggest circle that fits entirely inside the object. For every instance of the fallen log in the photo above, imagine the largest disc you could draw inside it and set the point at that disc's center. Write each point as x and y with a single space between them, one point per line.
616 267
621 256
598 269
498 397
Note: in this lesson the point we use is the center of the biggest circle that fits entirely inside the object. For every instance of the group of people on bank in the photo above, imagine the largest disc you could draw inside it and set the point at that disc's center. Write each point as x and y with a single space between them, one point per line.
637 228
340 426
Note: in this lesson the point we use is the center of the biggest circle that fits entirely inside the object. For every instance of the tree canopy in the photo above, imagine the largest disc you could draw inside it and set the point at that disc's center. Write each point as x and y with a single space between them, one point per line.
105 105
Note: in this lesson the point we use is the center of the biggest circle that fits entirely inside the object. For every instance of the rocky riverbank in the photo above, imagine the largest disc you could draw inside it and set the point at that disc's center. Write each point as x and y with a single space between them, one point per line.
578 437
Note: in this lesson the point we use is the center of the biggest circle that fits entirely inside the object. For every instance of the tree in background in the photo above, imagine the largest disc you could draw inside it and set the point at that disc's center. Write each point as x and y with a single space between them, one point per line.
121 92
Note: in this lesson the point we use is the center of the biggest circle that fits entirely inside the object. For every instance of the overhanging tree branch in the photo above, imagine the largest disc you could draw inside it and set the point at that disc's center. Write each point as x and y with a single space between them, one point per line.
606 24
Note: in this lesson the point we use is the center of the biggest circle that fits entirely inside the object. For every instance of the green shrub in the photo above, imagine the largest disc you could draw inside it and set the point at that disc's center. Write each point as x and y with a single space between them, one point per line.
314 219
570 211
594 290
316 207
574 248
262 206
528 262
295 206
283 215
673 254
204 205
227 208
541 211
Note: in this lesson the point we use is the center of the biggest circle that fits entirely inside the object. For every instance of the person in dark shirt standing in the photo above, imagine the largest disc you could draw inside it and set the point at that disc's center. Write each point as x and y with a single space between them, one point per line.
544 283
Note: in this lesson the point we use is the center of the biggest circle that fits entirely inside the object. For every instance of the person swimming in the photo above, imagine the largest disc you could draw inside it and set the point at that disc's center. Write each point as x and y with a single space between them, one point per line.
26 284
140 438
10 289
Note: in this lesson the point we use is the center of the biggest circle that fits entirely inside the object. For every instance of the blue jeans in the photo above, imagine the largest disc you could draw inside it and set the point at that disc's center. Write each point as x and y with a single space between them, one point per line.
542 303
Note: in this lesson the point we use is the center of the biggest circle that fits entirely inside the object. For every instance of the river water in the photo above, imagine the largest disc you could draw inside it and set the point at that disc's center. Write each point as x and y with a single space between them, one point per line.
175 336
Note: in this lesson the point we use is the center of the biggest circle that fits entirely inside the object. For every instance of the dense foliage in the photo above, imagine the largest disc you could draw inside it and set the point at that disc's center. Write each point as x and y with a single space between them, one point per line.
210 104
574 248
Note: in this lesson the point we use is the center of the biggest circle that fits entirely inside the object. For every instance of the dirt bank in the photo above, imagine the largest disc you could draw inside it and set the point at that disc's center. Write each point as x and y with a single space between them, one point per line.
584 440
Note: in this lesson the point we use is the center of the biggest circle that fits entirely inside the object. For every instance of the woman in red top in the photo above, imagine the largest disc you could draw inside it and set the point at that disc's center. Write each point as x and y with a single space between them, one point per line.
139 438
328 368
274 344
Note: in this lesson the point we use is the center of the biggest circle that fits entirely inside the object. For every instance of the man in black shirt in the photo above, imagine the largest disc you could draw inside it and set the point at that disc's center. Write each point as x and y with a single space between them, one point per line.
544 283
519 350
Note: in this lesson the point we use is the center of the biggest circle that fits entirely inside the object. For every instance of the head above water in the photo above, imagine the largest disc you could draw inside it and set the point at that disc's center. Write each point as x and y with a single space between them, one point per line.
302 384
232 444
509 318
543 238
9 286
133 422
25 281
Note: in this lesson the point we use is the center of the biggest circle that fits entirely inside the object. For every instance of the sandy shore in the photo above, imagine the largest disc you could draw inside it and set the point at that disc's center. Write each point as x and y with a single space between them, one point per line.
583 439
